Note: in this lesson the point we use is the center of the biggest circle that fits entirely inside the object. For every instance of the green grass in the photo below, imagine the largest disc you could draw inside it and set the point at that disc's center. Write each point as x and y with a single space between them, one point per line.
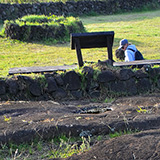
60 147
141 29
120 133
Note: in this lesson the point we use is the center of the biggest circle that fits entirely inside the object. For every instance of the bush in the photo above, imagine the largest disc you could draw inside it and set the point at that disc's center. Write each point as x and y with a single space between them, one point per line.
42 28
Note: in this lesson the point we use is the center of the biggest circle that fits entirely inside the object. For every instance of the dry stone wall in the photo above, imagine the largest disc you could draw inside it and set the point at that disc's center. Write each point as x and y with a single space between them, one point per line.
73 85
14 11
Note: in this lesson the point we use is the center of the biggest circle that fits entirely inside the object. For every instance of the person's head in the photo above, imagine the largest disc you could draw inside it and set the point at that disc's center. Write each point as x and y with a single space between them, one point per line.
123 44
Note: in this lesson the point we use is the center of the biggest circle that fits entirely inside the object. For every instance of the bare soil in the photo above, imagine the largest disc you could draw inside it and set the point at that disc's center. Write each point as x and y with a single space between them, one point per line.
22 121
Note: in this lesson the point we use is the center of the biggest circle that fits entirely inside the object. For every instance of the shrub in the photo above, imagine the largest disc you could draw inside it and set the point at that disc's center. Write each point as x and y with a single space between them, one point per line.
42 28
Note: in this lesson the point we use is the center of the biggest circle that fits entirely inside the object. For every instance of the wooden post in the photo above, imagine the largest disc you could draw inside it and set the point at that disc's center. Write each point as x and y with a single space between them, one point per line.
78 51
109 48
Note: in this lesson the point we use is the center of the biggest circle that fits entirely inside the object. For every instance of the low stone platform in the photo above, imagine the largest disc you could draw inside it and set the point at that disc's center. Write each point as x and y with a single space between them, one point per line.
28 70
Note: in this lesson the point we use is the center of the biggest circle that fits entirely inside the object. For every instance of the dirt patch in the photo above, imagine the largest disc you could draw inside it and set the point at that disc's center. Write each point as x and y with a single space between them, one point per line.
145 145
22 121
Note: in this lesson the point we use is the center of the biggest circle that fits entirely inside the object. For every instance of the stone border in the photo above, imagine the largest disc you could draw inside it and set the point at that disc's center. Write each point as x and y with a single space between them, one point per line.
73 85
14 11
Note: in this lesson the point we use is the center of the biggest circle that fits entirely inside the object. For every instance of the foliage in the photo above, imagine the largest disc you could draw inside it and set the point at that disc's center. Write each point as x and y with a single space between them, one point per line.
120 133
109 100
59 147
42 28
140 110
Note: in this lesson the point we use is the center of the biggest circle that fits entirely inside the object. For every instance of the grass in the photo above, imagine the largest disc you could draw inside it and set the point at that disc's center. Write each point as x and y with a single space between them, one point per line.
120 133
141 29
59 147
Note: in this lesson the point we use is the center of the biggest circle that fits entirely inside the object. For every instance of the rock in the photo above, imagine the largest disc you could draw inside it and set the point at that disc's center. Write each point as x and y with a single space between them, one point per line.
52 85
2 87
106 76
124 87
59 80
124 74
141 74
106 62
143 85
59 93
35 89
76 94
12 86
72 81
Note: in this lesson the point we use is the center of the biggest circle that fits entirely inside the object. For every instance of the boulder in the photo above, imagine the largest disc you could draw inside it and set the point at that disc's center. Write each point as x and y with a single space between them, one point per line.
35 89
72 81
124 74
2 87
52 85
106 76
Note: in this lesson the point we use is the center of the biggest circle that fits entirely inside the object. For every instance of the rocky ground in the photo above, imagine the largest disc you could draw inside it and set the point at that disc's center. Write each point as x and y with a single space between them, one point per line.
23 121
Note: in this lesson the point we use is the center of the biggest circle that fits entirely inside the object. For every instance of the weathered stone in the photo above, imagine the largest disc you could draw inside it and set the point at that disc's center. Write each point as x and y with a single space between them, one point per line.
124 74
52 85
106 76
140 74
59 93
72 80
118 86
27 79
2 87
76 94
143 85
12 86
35 89
154 72
126 87
105 63
59 80
131 87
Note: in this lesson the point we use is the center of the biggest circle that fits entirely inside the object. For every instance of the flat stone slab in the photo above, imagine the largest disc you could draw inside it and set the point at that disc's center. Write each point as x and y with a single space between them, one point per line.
28 70
138 62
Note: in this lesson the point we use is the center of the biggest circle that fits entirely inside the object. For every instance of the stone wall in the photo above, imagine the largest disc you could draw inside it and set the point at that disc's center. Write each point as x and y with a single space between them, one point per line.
14 11
89 84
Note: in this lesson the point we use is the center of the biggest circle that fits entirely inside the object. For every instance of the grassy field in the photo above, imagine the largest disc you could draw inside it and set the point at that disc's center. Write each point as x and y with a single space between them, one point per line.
141 29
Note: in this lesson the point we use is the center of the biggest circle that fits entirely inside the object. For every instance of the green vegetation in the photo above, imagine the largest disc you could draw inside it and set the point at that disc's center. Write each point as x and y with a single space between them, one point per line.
140 110
142 29
42 28
109 100
120 133
59 147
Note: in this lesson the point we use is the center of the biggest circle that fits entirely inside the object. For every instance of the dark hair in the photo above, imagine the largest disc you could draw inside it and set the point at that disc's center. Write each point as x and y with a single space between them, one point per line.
120 54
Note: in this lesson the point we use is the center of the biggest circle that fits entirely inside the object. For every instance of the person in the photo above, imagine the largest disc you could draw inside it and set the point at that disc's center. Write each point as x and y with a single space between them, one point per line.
130 51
